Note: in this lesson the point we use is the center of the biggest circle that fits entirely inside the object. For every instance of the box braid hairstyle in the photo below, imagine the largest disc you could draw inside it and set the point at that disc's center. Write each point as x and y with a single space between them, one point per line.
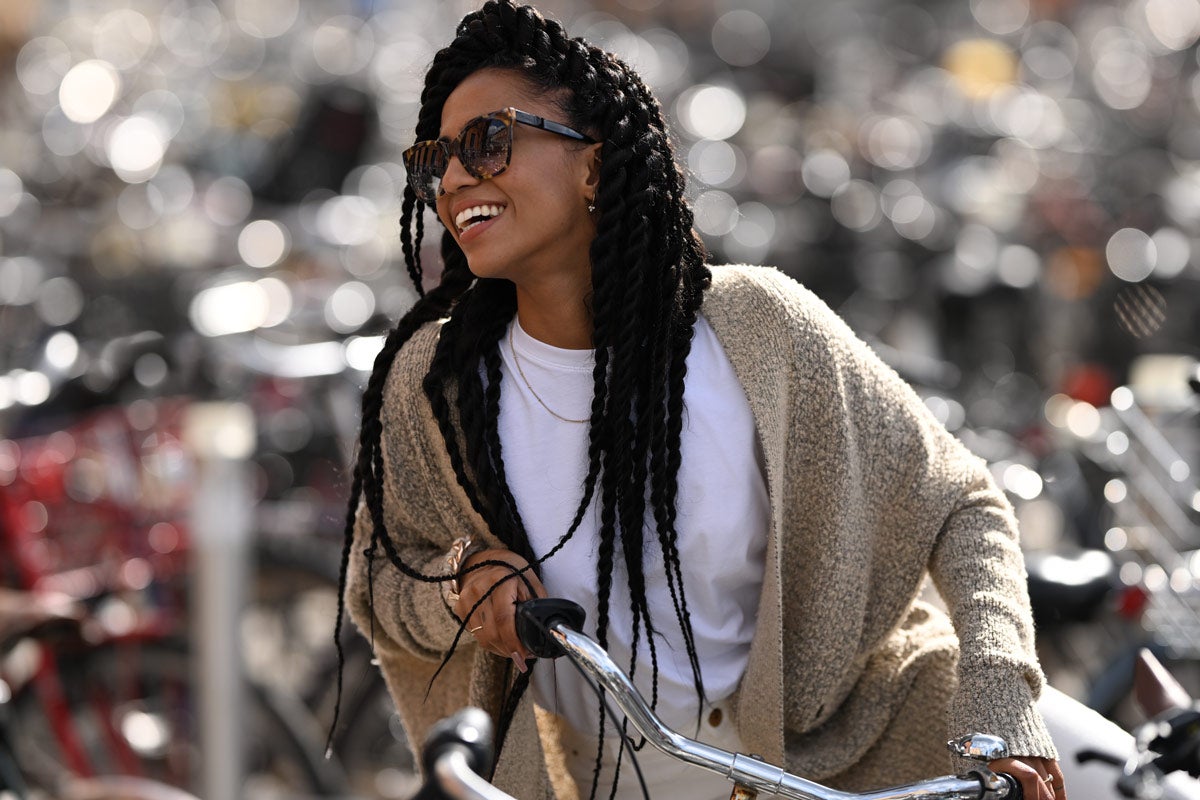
648 279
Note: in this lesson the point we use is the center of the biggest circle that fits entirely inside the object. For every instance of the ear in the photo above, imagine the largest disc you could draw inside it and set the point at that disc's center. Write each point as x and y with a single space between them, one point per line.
590 172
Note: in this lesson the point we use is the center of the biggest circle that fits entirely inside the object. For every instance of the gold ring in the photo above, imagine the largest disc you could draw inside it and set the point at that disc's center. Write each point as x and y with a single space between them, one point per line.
476 628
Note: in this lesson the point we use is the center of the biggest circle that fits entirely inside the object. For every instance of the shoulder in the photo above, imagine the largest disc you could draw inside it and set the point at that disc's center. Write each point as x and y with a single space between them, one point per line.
761 294
748 281
763 303
408 369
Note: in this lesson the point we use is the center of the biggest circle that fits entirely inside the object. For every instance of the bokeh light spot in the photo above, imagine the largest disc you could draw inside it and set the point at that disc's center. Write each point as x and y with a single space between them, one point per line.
231 308
136 148
62 350
343 45
1131 254
123 37
348 220
59 301
1174 23
12 188
266 18
1122 73
980 67
350 305
712 112
824 172
42 63
20 278
1173 251
263 243
715 212
360 352
1083 420
1018 266
741 38
896 143
715 162
30 387
856 205
228 200
88 90
1001 16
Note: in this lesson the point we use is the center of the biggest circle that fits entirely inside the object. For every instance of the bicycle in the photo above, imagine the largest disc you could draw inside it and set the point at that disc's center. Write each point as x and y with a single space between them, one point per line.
1167 743
1146 452
458 750
49 618
97 512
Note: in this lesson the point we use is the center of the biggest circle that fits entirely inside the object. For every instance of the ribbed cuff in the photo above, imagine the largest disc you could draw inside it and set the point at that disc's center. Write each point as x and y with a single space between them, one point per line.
1010 711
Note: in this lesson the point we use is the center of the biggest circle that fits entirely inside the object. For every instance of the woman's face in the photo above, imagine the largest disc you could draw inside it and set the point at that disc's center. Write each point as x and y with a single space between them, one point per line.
541 236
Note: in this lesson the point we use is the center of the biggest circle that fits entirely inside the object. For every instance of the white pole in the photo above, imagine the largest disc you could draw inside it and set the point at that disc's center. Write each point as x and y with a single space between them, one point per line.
221 435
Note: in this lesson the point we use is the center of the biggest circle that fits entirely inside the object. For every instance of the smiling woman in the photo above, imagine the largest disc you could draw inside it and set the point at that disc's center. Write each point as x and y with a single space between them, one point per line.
515 188
734 487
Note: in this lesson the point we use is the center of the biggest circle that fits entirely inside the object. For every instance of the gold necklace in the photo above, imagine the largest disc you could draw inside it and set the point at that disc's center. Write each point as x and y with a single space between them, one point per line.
529 386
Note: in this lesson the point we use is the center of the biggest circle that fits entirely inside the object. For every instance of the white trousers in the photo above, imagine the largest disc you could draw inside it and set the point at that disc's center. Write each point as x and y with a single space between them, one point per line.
666 777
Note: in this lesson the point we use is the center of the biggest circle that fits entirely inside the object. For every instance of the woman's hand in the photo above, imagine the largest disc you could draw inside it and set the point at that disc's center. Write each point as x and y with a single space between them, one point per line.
494 623
1040 778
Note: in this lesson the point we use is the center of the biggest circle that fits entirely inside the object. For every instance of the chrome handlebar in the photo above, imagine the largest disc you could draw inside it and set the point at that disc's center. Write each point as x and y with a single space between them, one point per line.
550 628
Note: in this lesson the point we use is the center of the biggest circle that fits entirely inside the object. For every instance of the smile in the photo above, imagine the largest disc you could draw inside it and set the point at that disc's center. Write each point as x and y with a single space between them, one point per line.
470 217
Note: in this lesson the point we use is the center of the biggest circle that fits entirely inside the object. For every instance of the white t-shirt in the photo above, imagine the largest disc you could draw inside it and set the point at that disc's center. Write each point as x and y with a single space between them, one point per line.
723 519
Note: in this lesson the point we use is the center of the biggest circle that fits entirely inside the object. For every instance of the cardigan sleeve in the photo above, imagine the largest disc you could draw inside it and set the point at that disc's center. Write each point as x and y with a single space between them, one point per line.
978 569
885 494
959 526
397 613
402 613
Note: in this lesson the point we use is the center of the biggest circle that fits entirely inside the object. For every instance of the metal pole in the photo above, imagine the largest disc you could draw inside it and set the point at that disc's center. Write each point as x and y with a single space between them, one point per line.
221 435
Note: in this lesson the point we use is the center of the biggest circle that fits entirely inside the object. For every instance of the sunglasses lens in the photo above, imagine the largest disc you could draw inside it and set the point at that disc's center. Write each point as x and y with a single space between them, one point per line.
485 146
426 163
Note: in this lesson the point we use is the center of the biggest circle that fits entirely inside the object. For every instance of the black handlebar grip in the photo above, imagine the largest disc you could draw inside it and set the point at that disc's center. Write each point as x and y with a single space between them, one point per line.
1015 792
470 729
534 618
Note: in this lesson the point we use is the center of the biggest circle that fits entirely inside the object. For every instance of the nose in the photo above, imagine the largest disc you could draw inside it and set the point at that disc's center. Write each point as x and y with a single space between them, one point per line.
456 176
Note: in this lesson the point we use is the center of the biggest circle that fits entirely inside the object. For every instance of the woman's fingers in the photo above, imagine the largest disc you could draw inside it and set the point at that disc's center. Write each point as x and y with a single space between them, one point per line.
1032 785
1057 781
505 607
1040 778
493 624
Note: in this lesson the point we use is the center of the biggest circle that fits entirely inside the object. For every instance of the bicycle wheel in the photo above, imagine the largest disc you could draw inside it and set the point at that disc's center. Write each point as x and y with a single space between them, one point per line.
289 620
370 742
126 708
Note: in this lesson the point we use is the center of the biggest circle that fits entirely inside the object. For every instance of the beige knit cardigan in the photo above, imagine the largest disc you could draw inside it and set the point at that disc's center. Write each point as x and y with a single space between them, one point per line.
851 679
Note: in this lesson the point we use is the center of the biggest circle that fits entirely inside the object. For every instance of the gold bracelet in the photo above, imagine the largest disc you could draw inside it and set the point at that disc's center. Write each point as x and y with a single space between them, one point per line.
460 548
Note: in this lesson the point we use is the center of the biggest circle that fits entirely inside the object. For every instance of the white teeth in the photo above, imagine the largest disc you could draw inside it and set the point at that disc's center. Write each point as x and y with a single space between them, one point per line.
475 211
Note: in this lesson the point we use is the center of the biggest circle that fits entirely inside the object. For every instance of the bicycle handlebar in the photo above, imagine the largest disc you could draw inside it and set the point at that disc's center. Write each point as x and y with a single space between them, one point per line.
457 752
550 628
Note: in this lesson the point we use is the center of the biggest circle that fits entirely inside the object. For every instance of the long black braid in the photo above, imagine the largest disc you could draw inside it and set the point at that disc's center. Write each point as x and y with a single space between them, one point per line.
648 280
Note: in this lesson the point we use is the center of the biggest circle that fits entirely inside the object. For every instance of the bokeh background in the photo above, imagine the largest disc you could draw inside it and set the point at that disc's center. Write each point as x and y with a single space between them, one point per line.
199 201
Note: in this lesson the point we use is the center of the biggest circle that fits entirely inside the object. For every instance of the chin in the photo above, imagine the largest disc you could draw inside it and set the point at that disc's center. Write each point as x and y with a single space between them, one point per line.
483 268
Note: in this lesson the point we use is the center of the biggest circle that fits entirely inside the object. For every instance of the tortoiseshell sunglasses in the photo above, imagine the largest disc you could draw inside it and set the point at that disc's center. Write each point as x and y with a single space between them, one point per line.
483 147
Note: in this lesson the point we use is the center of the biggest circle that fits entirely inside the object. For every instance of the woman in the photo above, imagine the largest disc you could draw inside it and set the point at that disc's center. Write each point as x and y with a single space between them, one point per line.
745 499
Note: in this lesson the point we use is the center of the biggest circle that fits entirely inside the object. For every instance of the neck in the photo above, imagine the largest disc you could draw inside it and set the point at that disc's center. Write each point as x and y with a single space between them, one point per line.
561 319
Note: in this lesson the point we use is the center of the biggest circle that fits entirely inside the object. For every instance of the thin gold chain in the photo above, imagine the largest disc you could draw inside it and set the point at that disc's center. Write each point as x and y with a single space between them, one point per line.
529 386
